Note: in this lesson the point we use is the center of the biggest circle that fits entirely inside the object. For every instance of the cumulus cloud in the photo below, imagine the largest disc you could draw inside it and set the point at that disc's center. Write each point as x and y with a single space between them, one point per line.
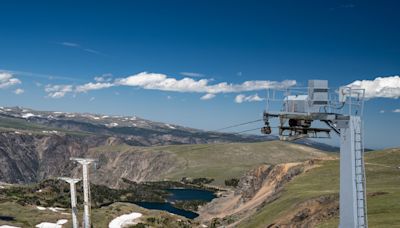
58 91
252 98
397 110
156 81
207 96
381 87
19 91
7 80
192 74
103 78
163 82
92 86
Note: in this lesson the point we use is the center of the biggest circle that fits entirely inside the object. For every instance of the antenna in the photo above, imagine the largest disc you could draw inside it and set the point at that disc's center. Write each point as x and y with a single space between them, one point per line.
74 210
85 162
301 108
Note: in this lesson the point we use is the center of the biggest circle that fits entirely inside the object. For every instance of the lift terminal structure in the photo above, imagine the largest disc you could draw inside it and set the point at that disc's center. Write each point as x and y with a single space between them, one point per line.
339 111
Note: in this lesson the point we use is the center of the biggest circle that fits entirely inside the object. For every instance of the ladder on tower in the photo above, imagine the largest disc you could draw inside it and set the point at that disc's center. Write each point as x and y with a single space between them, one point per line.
360 179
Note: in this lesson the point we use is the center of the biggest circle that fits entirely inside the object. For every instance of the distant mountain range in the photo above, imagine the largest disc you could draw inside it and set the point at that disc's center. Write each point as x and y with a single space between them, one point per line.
132 130
35 145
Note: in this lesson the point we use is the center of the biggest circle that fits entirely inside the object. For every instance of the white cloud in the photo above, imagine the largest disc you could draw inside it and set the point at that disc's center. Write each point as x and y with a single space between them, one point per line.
192 74
243 98
92 99
92 86
381 87
103 78
19 91
382 111
7 80
397 110
155 81
58 91
207 96
163 82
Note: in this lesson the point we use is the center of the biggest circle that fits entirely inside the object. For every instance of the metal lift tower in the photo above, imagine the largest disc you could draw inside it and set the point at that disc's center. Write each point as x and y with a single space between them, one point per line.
72 182
342 112
85 162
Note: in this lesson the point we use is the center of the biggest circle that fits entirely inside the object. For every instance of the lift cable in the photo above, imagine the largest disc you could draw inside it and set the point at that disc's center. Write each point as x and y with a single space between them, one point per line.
240 132
237 125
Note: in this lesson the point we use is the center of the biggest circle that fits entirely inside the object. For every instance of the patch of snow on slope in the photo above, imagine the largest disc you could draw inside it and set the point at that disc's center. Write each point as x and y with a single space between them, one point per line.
170 126
28 115
124 220
112 124
52 225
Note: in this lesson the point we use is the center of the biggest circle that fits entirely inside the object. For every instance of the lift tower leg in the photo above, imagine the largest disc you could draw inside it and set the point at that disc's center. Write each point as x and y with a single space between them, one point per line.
72 182
85 162
352 174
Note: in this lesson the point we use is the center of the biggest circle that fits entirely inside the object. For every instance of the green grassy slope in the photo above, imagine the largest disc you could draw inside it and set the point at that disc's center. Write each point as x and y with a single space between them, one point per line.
224 161
382 176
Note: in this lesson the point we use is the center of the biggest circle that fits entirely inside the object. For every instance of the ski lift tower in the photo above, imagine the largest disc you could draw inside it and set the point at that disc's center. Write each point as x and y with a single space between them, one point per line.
341 111
85 162
72 182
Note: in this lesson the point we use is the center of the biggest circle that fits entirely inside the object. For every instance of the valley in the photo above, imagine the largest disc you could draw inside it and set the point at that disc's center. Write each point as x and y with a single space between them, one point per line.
258 181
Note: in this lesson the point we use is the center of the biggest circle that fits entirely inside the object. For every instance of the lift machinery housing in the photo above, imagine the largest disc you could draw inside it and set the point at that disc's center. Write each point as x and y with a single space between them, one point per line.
341 112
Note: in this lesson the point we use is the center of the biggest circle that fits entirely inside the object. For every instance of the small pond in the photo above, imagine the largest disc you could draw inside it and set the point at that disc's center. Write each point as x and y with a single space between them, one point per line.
180 194
168 207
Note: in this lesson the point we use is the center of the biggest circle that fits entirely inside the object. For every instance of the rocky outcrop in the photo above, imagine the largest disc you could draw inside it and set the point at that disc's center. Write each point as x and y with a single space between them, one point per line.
18 158
256 189
133 165
27 158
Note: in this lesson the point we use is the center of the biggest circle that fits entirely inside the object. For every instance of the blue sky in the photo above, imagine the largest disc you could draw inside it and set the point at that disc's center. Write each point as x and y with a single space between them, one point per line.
47 43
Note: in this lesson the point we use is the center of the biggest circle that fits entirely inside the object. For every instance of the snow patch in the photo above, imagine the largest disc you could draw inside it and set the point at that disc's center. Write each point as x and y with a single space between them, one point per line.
53 209
170 126
8 226
50 132
41 208
58 224
124 220
112 125
28 115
